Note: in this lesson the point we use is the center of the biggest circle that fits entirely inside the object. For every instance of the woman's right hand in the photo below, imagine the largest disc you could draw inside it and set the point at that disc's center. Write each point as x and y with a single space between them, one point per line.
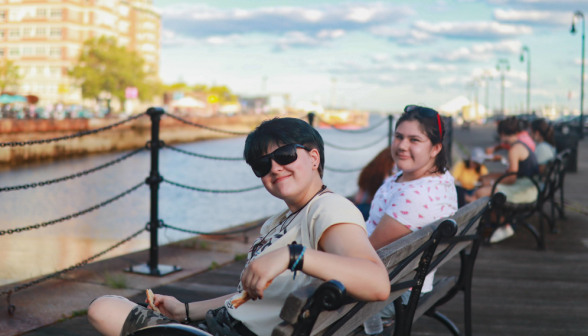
169 306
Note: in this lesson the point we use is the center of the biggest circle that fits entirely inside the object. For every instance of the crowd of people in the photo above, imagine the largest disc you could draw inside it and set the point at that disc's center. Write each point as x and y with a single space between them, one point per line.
323 235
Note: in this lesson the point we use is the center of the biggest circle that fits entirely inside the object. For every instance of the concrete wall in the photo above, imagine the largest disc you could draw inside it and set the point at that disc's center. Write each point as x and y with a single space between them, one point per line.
128 136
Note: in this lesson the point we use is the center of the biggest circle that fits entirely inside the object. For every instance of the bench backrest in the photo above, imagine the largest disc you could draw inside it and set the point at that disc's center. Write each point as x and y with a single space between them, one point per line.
392 255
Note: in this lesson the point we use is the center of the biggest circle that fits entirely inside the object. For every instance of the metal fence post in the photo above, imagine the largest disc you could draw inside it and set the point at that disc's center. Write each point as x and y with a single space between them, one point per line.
311 118
152 267
390 133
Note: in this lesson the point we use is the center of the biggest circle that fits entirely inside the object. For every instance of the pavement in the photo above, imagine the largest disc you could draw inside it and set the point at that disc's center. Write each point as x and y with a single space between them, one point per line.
517 290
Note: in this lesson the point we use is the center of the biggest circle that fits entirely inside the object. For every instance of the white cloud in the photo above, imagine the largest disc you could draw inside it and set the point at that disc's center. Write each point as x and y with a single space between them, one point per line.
402 36
473 30
204 21
541 4
534 17
479 52
304 40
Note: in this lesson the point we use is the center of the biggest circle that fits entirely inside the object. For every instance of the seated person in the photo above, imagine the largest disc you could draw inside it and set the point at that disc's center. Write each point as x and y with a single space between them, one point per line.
371 178
320 235
543 135
517 188
522 135
467 173
421 192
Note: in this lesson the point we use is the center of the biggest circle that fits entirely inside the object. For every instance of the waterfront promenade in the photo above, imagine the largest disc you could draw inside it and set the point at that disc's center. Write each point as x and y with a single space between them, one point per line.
517 290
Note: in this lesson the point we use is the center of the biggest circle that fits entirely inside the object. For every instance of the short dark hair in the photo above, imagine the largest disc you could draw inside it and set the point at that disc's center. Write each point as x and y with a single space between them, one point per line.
280 132
545 129
509 126
429 126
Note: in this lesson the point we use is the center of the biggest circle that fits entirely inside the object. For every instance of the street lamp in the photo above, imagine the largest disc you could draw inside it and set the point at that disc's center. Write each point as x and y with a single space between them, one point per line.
486 77
526 49
503 65
576 16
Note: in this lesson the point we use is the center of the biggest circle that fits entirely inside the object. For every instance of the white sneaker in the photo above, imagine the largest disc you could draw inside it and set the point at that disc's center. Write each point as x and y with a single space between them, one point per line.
502 233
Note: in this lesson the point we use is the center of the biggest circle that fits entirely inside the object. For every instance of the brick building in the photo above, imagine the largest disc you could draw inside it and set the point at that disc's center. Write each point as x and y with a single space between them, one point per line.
44 38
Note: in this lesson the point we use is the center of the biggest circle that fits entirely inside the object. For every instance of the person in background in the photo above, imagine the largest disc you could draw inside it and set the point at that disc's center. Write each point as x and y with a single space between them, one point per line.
467 173
371 178
543 135
522 136
517 188
420 193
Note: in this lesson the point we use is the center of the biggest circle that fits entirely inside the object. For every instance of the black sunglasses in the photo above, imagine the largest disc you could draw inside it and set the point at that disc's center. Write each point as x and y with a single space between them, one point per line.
283 156
427 113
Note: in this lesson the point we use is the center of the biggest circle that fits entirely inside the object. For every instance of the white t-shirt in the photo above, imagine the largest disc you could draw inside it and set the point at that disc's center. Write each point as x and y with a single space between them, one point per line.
414 204
544 153
305 228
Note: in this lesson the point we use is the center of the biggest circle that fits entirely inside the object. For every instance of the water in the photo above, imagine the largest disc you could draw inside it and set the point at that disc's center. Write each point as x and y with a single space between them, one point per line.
37 252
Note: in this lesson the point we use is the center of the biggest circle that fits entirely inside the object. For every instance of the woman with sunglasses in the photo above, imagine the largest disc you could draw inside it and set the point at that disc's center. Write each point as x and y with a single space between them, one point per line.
422 191
320 235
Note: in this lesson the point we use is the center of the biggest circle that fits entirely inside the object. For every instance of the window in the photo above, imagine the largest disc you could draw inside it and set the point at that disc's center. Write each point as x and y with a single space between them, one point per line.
55 51
27 51
55 32
55 13
1 34
2 15
40 51
55 71
41 12
25 70
14 15
14 51
40 70
41 31
1 52
14 32
27 31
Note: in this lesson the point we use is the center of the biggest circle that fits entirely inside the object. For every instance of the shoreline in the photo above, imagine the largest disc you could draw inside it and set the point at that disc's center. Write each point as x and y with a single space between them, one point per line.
129 136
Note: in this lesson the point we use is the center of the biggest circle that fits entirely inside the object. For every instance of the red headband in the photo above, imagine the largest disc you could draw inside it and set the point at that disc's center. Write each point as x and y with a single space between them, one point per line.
440 129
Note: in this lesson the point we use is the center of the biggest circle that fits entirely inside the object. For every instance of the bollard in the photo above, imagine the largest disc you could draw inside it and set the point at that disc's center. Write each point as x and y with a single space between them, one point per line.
390 130
311 118
152 266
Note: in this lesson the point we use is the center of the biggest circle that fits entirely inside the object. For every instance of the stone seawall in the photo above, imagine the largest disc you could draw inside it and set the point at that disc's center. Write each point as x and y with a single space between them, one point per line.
131 135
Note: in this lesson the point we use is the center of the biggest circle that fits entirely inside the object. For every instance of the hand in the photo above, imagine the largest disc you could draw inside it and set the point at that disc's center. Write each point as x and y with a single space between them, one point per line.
169 306
264 269
489 150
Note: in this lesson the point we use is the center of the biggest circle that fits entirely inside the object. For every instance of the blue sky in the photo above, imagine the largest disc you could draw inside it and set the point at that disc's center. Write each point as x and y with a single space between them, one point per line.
382 55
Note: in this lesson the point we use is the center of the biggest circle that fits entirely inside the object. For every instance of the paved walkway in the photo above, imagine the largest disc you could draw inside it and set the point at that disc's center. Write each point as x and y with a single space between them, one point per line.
517 289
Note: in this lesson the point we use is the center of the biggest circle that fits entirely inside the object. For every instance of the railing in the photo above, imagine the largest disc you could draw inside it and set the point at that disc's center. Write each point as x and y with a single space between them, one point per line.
154 145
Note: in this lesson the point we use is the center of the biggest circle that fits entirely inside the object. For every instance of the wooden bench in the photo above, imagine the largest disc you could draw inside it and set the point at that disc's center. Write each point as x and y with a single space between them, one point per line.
547 184
324 308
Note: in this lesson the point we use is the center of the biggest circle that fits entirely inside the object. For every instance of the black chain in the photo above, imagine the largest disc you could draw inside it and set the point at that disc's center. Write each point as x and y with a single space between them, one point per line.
204 156
72 176
339 170
212 233
205 127
229 191
77 214
76 135
357 148
11 308
363 130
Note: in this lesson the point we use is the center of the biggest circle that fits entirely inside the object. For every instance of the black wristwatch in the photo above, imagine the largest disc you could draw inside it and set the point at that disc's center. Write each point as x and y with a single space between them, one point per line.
187 319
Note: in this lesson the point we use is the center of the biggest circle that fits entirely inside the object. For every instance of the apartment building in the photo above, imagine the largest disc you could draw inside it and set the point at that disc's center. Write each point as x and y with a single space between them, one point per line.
44 38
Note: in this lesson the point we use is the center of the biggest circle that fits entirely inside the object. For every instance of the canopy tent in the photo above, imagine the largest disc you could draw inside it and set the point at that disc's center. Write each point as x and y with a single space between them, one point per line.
8 99
187 102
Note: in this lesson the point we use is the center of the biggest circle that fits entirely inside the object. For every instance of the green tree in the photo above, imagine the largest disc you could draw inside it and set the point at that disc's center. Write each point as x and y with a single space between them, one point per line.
9 75
103 65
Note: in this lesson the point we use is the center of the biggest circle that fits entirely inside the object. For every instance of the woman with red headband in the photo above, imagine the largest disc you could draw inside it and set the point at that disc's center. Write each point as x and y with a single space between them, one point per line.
423 190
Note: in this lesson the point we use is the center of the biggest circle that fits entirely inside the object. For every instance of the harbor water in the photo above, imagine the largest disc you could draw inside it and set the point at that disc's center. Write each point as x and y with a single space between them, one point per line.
45 250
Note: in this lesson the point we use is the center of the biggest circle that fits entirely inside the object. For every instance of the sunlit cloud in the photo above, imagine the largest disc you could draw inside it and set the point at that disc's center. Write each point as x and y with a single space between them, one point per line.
533 17
472 30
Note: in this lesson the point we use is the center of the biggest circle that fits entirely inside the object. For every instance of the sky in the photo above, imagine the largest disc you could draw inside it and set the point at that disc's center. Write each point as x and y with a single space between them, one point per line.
377 55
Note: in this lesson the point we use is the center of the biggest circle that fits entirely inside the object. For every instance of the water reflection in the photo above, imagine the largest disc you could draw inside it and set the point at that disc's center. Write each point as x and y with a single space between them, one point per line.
45 250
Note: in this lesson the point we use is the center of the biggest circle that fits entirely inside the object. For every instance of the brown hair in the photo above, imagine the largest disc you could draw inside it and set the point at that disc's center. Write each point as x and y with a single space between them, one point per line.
374 173
546 131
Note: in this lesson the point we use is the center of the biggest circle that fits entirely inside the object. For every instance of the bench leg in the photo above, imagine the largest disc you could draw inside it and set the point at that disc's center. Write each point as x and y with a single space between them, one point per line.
446 322
561 207
537 235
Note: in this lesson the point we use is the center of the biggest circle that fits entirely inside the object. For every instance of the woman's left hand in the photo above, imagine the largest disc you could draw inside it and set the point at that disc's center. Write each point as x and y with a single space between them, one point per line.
264 269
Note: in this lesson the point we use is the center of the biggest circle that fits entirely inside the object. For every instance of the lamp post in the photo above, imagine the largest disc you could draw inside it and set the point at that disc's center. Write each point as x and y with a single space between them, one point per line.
526 49
503 65
576 16
487 77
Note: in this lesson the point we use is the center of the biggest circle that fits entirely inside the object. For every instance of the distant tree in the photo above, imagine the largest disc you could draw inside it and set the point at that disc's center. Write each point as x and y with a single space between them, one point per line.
9 75
103 65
